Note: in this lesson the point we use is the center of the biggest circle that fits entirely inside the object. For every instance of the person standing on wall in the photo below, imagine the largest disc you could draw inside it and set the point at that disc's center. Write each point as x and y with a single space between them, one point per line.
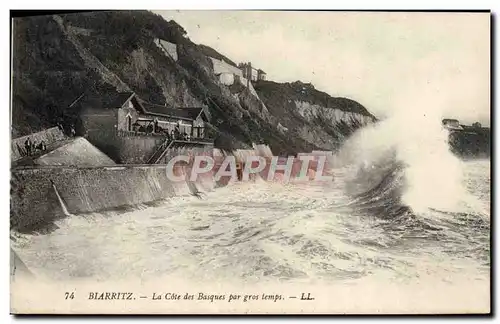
27 146
43 147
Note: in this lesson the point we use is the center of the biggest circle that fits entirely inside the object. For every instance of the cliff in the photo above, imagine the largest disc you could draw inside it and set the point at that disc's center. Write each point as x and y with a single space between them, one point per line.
58 57
312 115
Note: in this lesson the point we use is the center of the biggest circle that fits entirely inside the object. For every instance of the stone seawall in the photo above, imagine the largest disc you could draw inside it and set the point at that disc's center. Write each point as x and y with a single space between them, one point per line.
49 136
76 152
34 201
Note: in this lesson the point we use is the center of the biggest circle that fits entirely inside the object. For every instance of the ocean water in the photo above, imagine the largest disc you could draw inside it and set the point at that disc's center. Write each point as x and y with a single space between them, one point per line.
379 221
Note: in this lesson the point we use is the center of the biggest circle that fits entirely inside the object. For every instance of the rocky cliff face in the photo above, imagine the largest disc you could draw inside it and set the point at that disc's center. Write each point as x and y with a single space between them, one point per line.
58 57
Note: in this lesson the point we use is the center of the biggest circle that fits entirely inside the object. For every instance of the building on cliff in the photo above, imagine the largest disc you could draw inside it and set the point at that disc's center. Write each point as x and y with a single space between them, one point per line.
131 130
252 73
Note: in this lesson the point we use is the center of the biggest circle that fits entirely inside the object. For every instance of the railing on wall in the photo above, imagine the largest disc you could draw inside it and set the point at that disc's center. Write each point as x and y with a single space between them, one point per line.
197 136
198 133
124 133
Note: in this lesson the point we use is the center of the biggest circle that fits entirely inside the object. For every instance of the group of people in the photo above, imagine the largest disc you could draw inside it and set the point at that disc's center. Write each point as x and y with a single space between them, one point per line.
32 148
177 134
71 132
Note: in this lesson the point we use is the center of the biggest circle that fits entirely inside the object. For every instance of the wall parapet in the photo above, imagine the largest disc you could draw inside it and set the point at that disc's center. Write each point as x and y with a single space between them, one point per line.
48 136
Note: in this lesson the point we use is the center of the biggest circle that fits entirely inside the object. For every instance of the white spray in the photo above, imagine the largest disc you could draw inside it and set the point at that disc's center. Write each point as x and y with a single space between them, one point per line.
414 136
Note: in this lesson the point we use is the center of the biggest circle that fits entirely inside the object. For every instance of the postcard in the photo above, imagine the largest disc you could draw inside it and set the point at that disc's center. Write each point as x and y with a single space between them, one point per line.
250 162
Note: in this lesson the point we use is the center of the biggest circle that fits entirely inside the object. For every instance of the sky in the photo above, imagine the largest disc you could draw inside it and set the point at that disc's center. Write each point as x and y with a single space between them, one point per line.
389 62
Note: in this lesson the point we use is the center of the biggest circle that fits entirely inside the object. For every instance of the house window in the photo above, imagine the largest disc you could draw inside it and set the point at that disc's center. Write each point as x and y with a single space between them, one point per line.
129 123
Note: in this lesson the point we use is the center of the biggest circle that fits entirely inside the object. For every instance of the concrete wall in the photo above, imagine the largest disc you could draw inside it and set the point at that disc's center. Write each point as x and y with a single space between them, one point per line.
34 202
79 30
186 149
94 120
77 152
137 149
49 136
133 149
122 121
